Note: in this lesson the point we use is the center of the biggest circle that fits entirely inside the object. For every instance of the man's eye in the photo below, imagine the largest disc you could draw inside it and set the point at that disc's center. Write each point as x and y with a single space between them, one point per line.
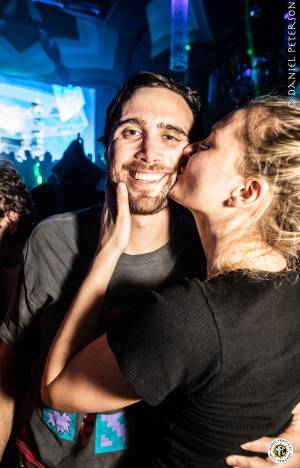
170 137
131 133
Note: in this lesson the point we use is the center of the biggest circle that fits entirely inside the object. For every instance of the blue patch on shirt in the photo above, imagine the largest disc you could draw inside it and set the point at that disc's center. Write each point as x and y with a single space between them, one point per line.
62 424
111 432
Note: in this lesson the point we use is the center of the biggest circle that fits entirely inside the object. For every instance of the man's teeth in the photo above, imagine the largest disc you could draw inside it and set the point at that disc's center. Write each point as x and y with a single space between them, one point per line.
152 177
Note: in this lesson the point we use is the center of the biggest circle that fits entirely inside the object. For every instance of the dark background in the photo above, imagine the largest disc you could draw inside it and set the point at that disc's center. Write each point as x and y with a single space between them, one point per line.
100 43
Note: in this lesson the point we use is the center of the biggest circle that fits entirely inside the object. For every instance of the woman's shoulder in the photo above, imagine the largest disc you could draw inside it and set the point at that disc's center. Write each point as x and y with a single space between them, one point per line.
245 290
253 279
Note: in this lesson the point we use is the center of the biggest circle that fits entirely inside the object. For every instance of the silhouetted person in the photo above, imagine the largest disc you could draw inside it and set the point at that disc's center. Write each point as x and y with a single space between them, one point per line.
27 170
78 178
46 166
45 200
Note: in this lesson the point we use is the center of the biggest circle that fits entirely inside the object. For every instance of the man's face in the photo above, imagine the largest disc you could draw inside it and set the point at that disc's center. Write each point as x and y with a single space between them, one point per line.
146 143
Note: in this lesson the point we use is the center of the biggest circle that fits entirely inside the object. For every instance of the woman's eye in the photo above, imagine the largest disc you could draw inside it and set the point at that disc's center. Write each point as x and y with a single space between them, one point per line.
131 133
204 145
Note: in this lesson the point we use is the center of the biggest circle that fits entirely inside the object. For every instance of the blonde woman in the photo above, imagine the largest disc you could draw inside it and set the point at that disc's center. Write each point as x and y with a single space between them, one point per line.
220 360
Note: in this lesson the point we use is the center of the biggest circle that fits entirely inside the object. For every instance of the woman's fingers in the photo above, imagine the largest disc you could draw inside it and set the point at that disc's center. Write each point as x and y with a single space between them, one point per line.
115 230
292 434
238 461
296 410
105 227
259 445
249 462
123 221
122 202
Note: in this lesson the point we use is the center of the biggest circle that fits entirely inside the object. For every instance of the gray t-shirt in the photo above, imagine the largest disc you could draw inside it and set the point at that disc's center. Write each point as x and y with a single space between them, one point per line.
57 258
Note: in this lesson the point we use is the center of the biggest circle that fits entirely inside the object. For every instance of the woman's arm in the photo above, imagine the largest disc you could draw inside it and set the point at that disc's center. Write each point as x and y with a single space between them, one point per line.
92 382
65 371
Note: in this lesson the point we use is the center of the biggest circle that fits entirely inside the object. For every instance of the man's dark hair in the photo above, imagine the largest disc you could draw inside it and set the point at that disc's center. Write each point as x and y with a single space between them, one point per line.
154 80
14 195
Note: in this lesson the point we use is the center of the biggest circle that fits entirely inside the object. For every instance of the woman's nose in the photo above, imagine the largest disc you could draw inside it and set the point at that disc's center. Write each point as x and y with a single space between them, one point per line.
189 150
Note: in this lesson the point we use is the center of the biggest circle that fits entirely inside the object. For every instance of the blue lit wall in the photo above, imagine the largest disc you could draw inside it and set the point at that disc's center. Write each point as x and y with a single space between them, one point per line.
43 117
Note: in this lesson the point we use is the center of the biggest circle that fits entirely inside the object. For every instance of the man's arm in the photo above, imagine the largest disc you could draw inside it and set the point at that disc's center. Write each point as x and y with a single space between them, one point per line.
292 434
7 392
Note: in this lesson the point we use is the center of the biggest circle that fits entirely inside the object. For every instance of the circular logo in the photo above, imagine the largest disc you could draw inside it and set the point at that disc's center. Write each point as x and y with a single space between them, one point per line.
280 451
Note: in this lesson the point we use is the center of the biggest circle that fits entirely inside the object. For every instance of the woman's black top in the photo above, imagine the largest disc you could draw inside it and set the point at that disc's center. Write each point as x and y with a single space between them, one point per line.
218 362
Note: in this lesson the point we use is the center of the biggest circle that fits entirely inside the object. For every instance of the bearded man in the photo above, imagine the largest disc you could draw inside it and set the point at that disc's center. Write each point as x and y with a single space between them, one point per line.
147 126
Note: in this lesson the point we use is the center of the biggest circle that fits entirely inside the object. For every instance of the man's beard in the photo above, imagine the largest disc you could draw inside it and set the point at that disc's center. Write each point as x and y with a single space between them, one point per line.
141 203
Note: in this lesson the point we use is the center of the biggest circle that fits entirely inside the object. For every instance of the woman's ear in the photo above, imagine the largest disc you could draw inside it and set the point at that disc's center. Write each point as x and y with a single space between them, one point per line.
249 193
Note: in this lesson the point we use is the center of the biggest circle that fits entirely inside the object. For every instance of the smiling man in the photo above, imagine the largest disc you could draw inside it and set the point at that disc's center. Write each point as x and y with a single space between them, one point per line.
146 149
147 126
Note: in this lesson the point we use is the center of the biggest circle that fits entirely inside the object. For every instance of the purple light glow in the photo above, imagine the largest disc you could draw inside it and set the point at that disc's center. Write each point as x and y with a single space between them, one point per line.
179 29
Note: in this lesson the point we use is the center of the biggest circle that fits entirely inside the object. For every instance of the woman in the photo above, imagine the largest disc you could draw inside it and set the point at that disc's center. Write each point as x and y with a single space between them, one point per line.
219 359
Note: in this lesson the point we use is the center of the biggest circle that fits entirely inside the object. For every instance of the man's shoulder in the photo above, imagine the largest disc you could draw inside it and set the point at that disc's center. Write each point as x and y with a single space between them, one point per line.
67 225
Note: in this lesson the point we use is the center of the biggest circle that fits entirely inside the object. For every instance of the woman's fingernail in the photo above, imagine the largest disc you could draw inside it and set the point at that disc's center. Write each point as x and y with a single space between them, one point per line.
246 446
121 187
231 460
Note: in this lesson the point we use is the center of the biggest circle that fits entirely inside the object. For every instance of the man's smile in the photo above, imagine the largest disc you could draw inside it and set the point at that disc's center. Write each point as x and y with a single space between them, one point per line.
147 176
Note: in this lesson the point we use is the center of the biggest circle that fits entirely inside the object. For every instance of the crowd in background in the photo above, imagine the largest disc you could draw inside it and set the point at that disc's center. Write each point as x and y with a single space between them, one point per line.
72 183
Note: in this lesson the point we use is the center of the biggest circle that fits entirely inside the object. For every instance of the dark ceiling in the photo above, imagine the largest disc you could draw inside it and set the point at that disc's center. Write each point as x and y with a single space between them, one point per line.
101 42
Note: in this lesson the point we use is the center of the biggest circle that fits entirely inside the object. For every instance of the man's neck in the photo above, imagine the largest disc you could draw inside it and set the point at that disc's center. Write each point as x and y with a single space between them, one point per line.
149 233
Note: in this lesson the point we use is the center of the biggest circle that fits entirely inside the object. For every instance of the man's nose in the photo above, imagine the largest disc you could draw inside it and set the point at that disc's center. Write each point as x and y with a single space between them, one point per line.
149 151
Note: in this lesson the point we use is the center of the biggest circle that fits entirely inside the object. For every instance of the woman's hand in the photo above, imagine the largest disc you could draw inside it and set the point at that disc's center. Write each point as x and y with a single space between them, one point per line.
292 434
116 223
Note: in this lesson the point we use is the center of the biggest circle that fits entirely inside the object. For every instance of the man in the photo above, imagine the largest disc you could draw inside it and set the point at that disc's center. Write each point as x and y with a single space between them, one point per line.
148 124
15 225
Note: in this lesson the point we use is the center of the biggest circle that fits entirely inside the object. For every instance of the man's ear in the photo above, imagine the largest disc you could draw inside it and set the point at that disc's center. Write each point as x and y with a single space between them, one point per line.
251 192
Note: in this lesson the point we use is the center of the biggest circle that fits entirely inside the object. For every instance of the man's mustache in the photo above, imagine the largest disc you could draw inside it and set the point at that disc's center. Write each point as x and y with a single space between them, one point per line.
139 166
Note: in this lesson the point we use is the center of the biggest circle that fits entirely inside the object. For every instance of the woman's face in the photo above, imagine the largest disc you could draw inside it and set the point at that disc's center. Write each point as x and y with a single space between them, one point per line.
211 173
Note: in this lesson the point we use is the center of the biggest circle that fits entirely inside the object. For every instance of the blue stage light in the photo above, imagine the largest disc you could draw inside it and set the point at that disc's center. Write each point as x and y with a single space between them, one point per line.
12 119
69 100
40 117
179 29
